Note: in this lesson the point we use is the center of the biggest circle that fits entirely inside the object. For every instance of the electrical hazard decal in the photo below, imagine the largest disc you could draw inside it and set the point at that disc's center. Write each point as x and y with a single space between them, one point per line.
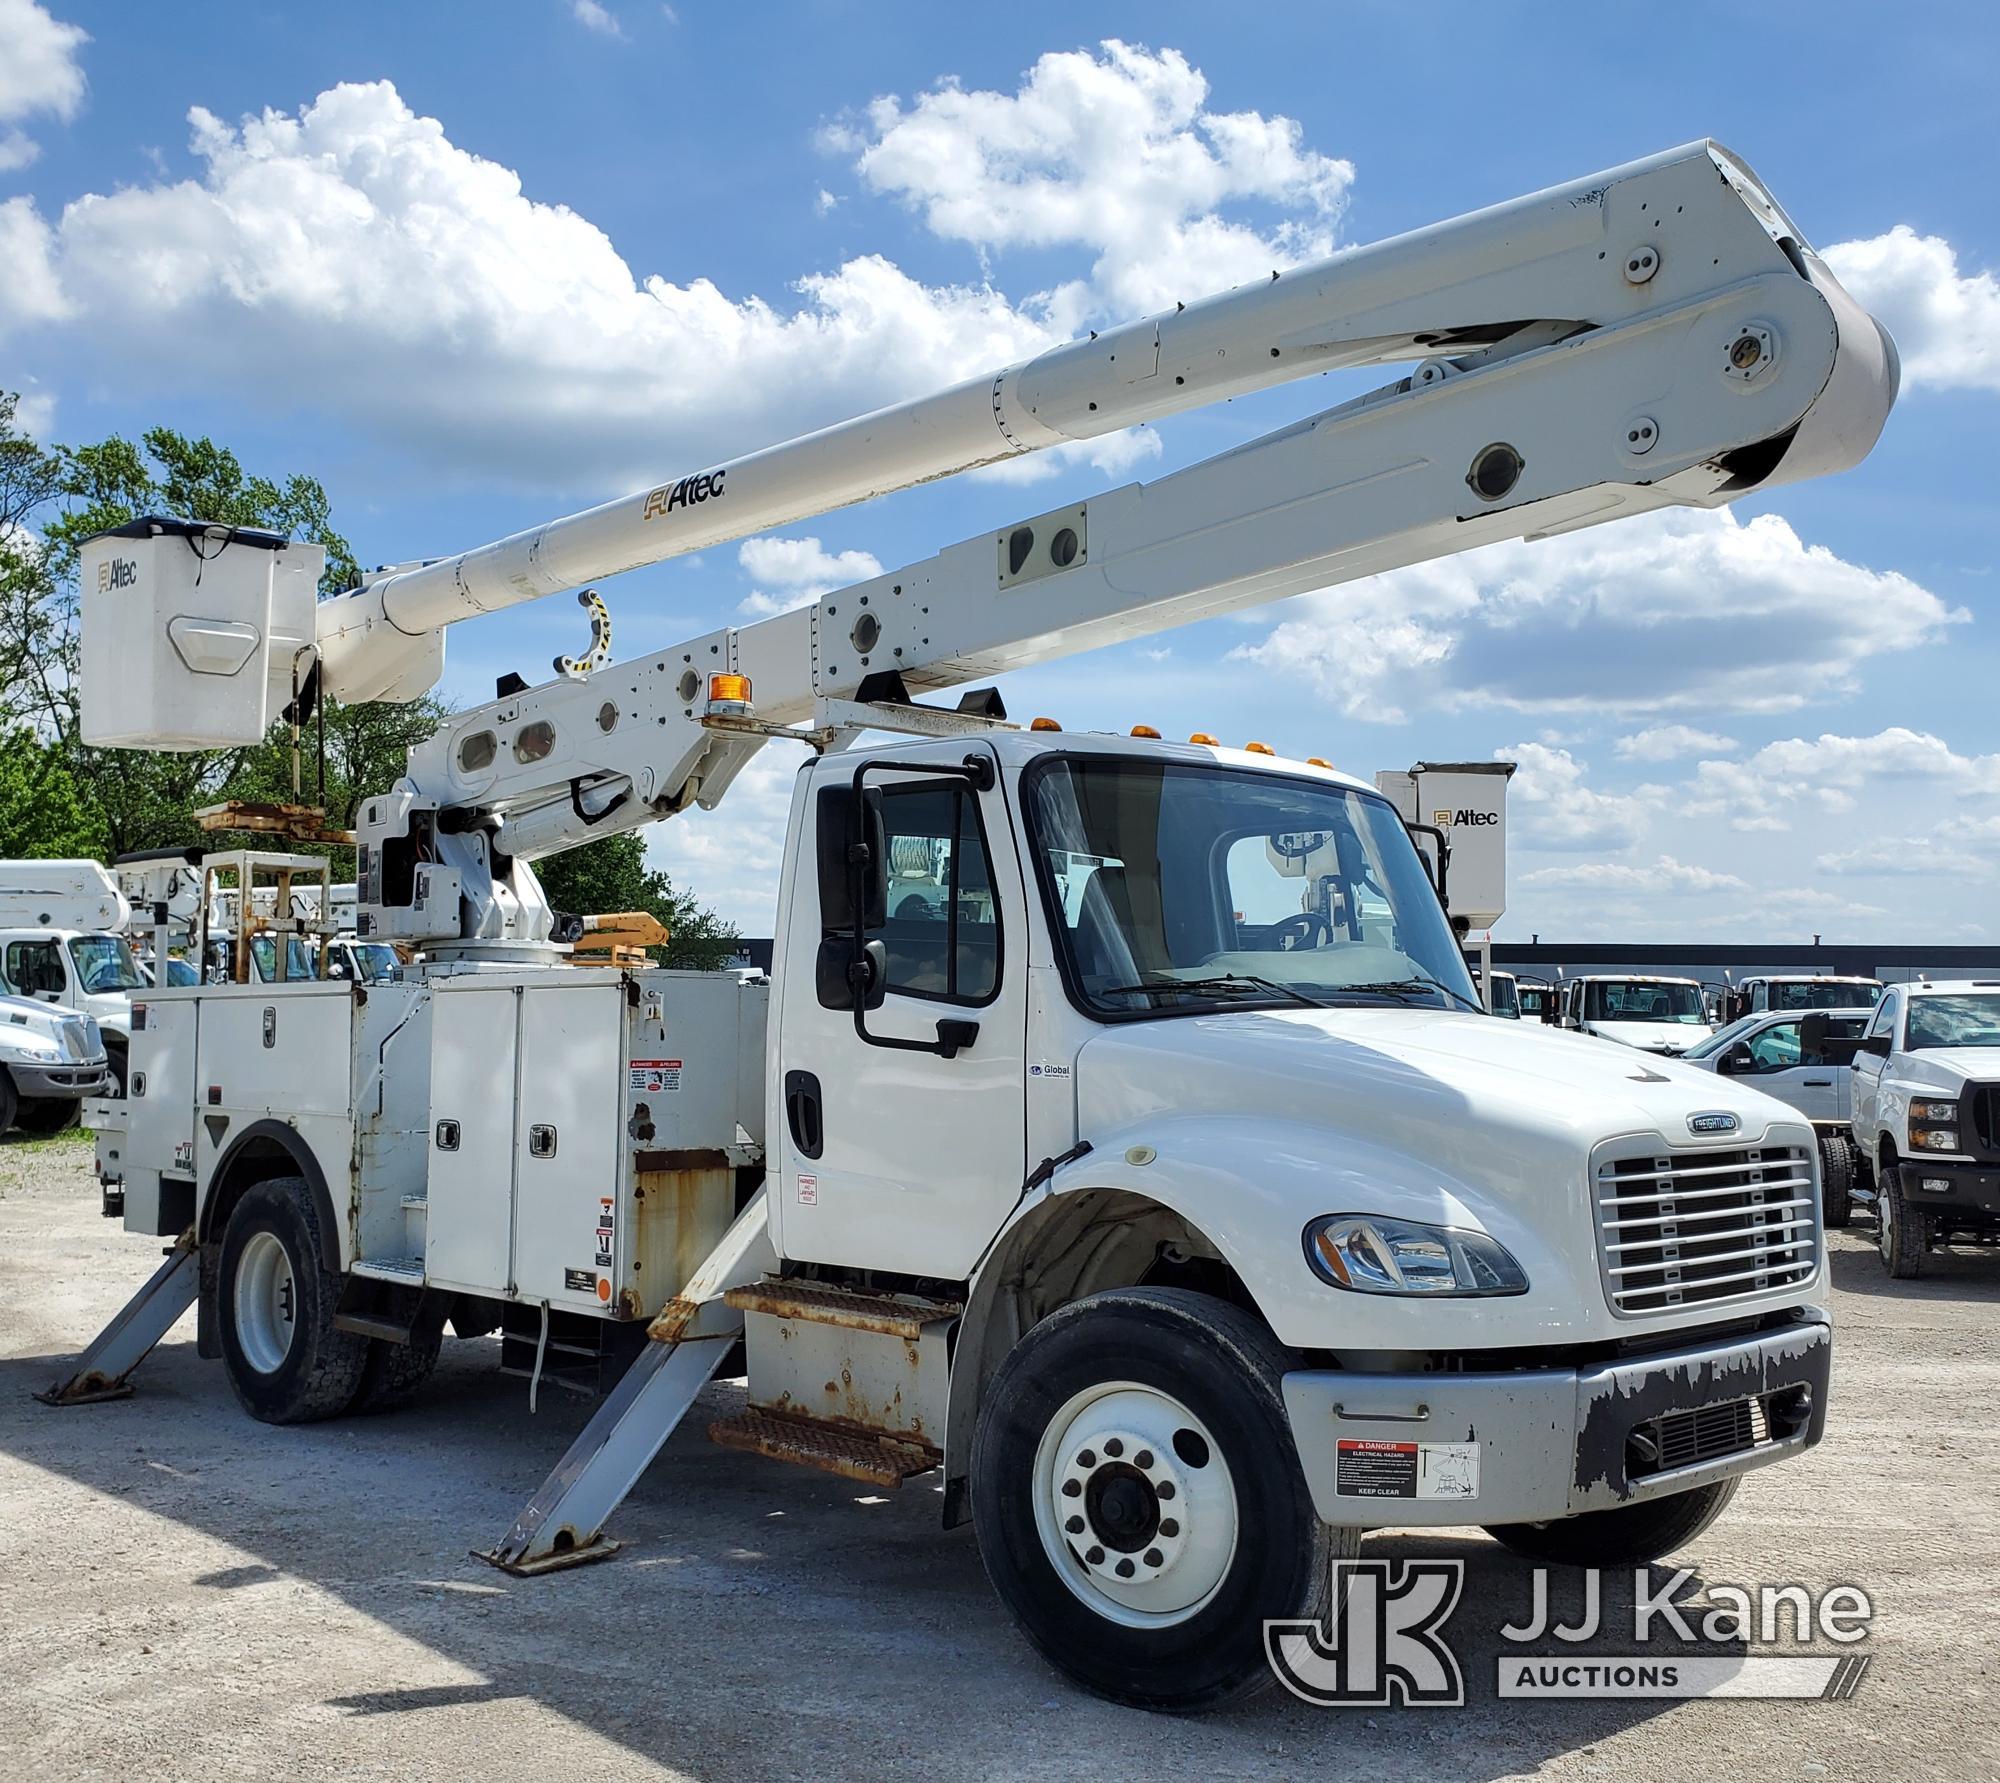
656 1077
1405 1469
607 1230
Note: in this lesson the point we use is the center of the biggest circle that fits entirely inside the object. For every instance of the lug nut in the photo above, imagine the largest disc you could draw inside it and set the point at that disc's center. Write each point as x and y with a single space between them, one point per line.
1155 1558
1169 1528
1125 1569
1165 1488
1074 1526
1143 1460
1114 1448
1072 1488
1094 1558
1086 1459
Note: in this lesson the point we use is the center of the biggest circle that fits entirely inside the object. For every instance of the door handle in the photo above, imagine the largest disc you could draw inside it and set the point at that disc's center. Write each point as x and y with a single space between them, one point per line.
805 1113
1819 1083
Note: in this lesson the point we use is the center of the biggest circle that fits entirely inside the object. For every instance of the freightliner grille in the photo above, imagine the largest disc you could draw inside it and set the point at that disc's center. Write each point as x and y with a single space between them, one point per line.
1700 1228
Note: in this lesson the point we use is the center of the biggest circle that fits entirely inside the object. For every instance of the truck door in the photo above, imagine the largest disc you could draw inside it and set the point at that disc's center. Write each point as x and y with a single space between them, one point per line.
1865 1079
891 1154
35 968
1784 1069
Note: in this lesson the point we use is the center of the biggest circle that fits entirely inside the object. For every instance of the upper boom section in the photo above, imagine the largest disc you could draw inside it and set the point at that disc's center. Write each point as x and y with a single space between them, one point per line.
1590 254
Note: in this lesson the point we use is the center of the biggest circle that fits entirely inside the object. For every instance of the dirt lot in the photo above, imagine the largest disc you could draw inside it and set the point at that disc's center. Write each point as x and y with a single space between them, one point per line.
187 1593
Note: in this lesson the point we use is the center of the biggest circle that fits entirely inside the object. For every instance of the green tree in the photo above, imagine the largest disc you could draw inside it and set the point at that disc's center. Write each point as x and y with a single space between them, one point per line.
612 875
43 813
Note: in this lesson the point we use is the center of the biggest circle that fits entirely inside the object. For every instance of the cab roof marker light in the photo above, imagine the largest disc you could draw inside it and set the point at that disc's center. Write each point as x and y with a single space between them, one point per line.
1259 749
1044 724
1204 737
1314 761
1145 730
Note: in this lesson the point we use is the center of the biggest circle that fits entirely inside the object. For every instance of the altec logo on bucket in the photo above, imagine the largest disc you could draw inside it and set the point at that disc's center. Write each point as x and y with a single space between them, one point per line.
116 572
1383 1643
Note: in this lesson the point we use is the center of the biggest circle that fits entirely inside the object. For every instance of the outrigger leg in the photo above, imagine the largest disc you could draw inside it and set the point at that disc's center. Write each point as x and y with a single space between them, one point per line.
103 1371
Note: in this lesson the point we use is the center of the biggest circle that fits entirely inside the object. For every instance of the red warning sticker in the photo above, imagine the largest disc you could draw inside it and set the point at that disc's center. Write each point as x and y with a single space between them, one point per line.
1364 1469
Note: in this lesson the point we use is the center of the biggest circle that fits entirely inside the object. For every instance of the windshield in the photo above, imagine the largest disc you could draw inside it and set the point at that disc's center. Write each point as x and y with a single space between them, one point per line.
1825 996
1954 1021
104 963
375 962
1178 889
180 972
1506 996
298 959
1641 1000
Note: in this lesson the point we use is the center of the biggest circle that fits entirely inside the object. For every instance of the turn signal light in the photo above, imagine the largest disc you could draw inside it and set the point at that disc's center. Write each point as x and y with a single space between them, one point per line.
1044 724
1145 730
1259 749
1204 737
729 694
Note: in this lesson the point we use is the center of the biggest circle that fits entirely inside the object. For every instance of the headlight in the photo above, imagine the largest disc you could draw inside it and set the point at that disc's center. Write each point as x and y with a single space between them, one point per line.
40 1045
1372 1255
1933 1124
1935 1139
1945 1112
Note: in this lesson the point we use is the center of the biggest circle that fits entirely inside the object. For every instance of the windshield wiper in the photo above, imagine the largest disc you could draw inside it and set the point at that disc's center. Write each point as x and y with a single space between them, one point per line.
1227 981
1404 986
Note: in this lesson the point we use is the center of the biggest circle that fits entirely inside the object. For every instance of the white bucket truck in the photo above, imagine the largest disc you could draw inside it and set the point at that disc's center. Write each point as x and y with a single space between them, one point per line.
62 941
1149 1165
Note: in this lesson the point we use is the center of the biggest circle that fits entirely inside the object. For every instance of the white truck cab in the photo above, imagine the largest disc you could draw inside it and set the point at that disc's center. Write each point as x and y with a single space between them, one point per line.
50 1059
62 941
1926 1116
1663 1015
1792 992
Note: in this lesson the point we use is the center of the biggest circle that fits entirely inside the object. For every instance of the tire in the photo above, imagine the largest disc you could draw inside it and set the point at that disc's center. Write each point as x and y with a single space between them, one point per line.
116 1058
275 1301
45 1115
1626 1535
394 1372
1902 1232
1187 1389
1836 1174
10 1101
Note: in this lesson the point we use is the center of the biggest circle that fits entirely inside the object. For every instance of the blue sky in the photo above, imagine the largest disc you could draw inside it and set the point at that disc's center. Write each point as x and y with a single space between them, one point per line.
473 266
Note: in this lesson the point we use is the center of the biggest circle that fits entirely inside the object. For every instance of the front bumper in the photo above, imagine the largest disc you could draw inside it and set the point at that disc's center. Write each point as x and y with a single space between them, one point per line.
1552 1442
64 1081
1970 1187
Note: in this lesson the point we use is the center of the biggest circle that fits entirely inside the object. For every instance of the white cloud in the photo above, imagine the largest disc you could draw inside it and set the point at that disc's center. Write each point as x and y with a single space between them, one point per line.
1550 807
1665 875
29 290
39 74
1116 152
1683 610
353 259
1670 742
1901 857
795 571
825 202
593 17
730 858
1946 323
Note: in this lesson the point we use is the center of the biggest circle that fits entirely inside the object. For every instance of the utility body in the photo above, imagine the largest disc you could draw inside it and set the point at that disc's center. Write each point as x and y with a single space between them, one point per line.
1118 1128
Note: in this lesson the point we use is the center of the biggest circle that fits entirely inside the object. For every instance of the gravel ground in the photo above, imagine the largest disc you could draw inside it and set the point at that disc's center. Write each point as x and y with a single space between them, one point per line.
188 1593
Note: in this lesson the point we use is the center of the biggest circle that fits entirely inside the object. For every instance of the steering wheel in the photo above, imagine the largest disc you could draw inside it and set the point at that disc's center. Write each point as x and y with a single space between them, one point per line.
1298 931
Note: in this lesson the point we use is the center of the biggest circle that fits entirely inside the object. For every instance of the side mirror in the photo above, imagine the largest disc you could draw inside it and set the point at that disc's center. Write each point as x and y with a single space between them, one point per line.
1737 1060
833 980
1876 1046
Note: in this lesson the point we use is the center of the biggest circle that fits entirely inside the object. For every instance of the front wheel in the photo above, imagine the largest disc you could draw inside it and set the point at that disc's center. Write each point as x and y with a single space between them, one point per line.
1139 1501
1625 1535
1902 1232
276 1300
47 1115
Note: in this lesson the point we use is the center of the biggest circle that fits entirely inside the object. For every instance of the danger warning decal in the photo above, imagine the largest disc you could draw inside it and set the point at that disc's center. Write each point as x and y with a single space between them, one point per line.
656 1077
1405 1469
606 1230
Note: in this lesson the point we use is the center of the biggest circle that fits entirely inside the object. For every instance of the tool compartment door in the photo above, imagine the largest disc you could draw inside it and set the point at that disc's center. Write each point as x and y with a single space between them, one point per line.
468 1221
569 1196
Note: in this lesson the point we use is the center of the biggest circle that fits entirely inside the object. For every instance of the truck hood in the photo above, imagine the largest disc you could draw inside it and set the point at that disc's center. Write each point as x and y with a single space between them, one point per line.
1947 1067
1464 1092
75 1035
1654 1036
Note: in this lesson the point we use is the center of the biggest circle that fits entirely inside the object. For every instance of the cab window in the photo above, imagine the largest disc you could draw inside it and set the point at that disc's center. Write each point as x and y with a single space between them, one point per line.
1776 1048
942 935
1884 1021
34 967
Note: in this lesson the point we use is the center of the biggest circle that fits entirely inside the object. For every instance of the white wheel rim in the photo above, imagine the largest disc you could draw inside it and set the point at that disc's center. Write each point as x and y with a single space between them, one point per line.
266 1303
1885 1214
1147 1482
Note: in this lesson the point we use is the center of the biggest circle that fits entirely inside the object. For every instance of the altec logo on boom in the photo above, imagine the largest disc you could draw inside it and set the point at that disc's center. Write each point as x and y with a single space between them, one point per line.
684 494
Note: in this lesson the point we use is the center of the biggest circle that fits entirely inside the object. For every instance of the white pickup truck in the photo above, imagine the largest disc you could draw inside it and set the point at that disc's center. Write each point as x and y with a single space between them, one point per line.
1926 1115
1801 1057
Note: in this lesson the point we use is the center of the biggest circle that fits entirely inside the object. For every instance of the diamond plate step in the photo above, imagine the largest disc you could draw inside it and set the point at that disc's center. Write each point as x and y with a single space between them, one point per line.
826 1303
874 1460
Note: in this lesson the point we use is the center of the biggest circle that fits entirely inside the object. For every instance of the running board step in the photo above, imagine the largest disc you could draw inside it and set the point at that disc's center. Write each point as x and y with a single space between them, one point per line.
873 1460
827 1303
